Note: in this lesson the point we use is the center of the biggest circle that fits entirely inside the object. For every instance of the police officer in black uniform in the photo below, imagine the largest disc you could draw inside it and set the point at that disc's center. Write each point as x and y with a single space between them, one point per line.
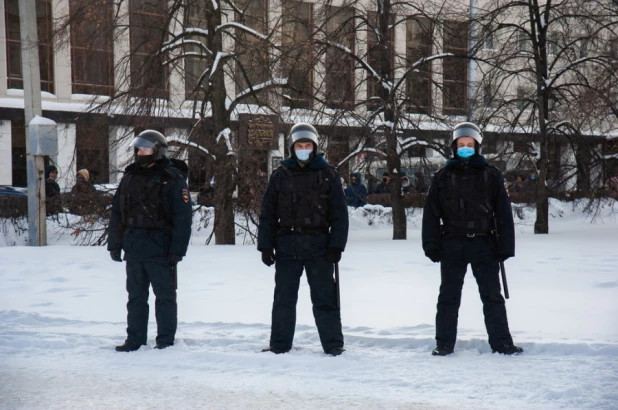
466 204
151 222
304 224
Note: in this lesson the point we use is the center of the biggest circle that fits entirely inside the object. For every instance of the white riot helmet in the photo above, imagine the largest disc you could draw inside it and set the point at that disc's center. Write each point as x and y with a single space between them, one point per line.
467 129
303 132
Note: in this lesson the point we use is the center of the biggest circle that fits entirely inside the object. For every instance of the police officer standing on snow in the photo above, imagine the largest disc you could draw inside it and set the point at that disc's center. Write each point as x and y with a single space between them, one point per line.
304 224
466 203
151 222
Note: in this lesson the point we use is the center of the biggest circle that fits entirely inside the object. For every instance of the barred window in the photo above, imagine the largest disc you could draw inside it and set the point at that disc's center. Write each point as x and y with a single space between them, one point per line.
374 57
13 44
455 88
92 51
92 150
418 46
297 54
149 76
252 62
196 60
340 29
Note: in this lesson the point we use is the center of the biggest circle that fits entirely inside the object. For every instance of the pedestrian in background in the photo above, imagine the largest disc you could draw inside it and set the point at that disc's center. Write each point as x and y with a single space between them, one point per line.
356 192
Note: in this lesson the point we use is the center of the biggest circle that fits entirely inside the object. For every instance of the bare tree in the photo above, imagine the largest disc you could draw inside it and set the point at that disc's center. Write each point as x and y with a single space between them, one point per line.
543 65
380 93
221 50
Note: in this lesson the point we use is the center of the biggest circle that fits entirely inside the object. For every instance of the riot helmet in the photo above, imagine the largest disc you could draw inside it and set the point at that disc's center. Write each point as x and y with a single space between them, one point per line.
150 140
303 132
467 129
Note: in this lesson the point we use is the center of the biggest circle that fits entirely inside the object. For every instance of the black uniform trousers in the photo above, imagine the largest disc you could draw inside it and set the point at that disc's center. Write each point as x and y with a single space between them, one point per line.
294 252
455 255
140 275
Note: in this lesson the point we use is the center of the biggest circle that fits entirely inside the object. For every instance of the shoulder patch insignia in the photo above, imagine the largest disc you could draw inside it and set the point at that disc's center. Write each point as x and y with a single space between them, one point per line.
185 195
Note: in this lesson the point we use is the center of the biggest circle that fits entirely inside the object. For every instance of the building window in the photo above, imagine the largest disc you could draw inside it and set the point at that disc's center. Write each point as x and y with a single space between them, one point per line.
13 45
374 58
455 88
523 95
613 48
488 38
488 95
18 153
417 151
340 29
92 53
338 148
418 84
552 43
196 61
149 75
297 54
523 42
520 146
252 53
490 144
92 150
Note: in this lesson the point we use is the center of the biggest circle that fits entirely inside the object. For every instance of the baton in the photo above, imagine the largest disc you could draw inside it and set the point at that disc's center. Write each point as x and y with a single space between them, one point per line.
175 277
505 286
337 282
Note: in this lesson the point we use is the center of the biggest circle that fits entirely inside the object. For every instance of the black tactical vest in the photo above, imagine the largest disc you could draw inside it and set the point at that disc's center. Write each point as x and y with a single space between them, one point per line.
466 203
141 202
303 200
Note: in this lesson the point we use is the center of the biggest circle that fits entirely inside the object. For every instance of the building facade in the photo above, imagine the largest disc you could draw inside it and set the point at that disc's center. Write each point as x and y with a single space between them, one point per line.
99 58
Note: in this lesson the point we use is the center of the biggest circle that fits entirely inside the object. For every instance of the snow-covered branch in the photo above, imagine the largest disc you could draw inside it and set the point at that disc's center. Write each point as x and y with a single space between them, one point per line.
183 141
259 87
218 57
226 135
385 84
359 150
244 28
418 63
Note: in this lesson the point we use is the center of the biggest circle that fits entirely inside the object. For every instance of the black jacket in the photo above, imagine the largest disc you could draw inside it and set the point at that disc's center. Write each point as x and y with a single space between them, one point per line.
337 208
139 243
434 213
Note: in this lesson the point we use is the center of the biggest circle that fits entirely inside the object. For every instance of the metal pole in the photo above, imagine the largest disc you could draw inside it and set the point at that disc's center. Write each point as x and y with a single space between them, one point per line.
472 62
37 228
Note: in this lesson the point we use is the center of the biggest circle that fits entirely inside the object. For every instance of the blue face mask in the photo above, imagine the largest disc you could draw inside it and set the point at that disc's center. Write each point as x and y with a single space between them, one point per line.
303 154
465 152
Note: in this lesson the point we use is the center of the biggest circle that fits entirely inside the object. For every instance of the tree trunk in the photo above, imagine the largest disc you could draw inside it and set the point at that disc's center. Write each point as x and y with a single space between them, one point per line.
400 223
541 225
225 164
394 165
224 207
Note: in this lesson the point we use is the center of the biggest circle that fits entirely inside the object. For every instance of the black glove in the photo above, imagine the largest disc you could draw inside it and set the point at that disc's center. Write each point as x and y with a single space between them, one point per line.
434 255
173 259
115 255
334 255
503 257
268 256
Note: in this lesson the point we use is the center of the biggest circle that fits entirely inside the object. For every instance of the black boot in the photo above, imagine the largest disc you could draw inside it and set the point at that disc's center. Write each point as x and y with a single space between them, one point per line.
163 345
335 351
275 350
128 347
441 350
508 349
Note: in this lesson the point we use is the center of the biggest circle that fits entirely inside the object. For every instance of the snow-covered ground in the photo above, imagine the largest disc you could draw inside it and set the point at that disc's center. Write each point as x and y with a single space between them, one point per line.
62 311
